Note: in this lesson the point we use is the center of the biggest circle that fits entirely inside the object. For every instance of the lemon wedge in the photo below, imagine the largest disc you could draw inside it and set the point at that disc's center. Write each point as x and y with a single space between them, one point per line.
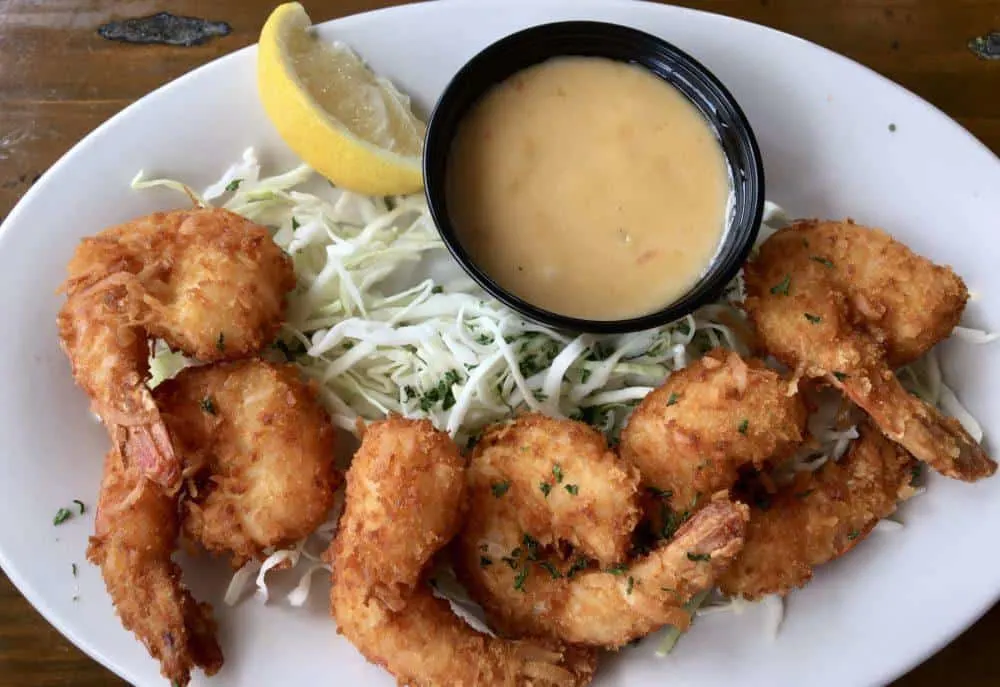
346 122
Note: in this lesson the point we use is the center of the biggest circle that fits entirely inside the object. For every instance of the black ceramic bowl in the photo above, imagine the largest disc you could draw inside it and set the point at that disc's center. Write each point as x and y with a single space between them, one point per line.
595 39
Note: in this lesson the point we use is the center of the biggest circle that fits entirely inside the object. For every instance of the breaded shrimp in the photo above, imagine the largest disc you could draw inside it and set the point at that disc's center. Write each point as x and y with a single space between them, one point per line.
690 437
259 449
820 517
563 482
527 589
207 281
844 303
405 498
136 533
402 462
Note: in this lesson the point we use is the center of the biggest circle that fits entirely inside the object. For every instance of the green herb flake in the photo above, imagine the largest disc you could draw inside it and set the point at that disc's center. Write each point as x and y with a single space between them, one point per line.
825 262
557 473
485 561
545 488
512 562
233 185
572 489
617 569
672 400
519 579
892 128
781 288
531 544
699 557
914 473
437 289
500 488
220 343
840 376
579 564
79 504
62 515
207 405
852 535
73 568
552 570
815 319
629 586
743 426
295 224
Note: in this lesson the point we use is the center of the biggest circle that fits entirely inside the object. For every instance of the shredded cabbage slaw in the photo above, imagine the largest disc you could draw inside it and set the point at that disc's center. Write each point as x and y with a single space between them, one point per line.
385 322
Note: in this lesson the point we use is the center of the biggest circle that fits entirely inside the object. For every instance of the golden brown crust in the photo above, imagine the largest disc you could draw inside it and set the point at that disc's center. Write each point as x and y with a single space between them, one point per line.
820 517
259 448
691 436
844 322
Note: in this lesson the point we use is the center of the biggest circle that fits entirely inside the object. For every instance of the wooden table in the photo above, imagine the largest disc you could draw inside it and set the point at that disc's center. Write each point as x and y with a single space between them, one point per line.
59 79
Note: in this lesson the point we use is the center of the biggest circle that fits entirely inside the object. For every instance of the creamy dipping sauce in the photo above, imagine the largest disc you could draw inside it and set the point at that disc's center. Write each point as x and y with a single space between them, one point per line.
588 187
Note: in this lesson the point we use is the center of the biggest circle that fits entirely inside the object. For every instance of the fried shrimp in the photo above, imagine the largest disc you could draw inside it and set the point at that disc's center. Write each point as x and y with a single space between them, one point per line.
563 482
844 303
538 484
259 449
533 590
690 437
136 534
405 499
207 281
820 517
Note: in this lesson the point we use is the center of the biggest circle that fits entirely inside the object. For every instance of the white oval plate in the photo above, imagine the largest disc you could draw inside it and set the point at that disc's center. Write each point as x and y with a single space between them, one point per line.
823 124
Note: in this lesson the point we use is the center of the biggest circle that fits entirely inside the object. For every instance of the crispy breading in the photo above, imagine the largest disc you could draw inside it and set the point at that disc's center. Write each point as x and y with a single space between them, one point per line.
690 437
259 449
820 517
834 319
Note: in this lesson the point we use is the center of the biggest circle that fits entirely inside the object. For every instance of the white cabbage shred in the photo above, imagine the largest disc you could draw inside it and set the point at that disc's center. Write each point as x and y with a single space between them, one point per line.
385 322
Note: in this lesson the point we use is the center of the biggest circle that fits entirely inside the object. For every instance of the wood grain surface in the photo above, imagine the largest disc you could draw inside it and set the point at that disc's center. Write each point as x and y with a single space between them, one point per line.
59 79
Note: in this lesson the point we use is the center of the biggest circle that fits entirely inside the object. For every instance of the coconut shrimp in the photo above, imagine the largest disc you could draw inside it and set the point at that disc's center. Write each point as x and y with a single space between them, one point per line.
406 496
258 449
207 281
820 516
845 303
538 484
136 534
691 436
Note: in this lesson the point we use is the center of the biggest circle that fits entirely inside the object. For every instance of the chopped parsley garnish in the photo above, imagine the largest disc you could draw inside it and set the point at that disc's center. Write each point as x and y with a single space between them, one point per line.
557 473
220 343
441 392
62 515
295 224
852 535
892 128
841 376
233 185
584 375
629 586
437 289
815 319
485 561
744 425
579 564
519 579
672 399
914 473
617 569
500 488
699 557
531 544
781 288
825 262
545 488
572 489
79 503
552 570
73 568
208 405
285 350
660 493
671 521
408 392
512 562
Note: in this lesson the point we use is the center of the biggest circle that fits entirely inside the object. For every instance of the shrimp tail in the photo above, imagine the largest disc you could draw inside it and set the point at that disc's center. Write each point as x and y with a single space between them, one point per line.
150 448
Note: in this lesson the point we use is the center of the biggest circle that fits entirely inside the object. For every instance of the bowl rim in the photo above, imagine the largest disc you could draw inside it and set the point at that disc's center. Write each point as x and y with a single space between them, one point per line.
719 272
